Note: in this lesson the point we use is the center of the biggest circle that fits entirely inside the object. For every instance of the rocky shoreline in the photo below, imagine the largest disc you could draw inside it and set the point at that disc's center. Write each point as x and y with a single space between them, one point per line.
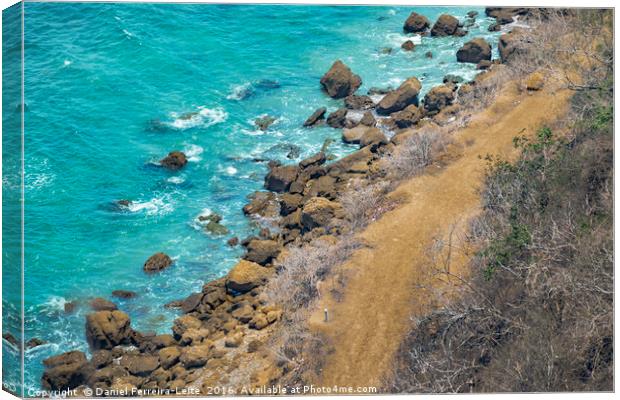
221 336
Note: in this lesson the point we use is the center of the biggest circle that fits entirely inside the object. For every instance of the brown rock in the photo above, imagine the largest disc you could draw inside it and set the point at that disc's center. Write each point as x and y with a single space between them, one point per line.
106 329
474 51
407 117
194 336
34 342
262 251
316 116
65 371
416 23
259 321
101 358
264 122
279 178
373 136
243 313
245 276
358 102
339 81
368 119
169 356
161 341
398 99
317 159
233 241
157 262
354 135
509 45
484 64
101 304
175 160
264 204
289 203
318 212
407 45
140 365
124 294
254 346
446 25
234 340
338 119
438 98
195 356
183 324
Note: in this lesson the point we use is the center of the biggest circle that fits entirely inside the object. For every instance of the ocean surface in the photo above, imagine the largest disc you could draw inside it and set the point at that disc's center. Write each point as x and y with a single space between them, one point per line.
112 88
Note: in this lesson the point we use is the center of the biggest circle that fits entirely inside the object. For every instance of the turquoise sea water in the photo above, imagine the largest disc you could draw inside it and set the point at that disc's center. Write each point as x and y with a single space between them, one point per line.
106 86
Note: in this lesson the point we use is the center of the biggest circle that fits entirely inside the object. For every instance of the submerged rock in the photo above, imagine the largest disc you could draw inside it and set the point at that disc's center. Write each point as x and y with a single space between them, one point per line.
316 116
339 81
446 25
396 100
34 342
175 160
474 51
416 23
124 294
264 122
157 262
368 119
408 45
106 329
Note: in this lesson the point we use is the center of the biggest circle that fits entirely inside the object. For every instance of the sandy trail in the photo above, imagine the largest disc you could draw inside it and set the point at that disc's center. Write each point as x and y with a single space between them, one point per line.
368 323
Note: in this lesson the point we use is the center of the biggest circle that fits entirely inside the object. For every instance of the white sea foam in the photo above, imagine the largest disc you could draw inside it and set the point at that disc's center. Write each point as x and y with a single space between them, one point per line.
240 92
204 117
66 63
193 152
155 206
177 180
231 170
397 39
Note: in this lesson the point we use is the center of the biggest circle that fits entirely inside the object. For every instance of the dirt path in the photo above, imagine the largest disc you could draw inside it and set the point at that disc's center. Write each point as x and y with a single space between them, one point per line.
368 323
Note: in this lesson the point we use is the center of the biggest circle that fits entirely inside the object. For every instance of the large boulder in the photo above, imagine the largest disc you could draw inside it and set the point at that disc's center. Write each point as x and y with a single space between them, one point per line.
318 212
438 98
262 251
195 356
399 99
245 276
65 371
339 81
279 178
446 25
317 159
505 15
317 115
338 119
416 23
474 51
174 160
407 117
169 356
157 262
106 329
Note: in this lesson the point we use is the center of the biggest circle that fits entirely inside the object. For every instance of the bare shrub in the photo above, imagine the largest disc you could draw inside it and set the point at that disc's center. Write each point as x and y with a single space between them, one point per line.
417 152
363 201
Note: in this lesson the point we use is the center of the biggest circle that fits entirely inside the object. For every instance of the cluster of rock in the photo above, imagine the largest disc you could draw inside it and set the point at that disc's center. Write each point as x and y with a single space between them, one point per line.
225 320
